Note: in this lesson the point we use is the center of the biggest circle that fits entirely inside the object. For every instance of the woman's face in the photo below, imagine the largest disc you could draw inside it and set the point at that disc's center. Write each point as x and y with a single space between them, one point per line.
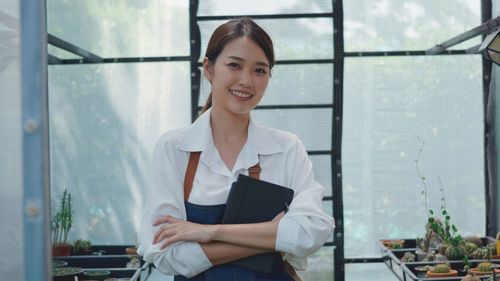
239 76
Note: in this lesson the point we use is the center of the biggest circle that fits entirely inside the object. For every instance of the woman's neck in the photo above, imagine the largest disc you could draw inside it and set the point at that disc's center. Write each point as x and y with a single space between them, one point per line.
229 133
229 127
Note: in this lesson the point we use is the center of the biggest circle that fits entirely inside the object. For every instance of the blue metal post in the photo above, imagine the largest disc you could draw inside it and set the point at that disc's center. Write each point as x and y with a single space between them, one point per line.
35 140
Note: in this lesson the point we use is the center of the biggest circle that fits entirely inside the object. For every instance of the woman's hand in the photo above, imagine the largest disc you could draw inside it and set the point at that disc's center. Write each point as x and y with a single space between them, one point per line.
175 230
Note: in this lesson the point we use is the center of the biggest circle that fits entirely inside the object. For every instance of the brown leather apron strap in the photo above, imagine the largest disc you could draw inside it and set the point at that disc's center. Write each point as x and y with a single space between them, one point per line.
254 171
194 158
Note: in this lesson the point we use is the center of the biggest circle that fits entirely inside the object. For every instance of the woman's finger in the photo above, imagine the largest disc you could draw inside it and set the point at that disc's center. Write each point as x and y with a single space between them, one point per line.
164 232
169 241
165 219
156 236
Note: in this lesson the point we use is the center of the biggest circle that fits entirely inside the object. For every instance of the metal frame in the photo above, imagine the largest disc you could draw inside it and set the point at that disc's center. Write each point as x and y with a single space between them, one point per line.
490 160
487 27
337 106
37 256
65 45
336 145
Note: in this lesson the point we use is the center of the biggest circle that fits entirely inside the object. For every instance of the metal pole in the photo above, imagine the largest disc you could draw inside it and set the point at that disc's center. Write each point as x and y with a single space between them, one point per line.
35 140
485 27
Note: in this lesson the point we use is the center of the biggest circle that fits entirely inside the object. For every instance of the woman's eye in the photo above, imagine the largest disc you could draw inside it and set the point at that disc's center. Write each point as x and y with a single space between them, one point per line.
233 65
261 71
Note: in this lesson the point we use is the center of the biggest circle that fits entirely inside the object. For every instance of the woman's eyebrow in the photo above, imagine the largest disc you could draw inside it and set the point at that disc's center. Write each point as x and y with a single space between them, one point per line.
241 59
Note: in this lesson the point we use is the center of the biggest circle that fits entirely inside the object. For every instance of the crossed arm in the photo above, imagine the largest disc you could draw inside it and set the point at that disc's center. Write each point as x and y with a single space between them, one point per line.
221 243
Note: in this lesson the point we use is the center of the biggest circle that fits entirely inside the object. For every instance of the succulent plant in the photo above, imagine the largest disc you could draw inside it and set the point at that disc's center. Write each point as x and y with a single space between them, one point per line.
482 253
441 268
469 247
442 249
395 245
62 220
493 248
473 239
455 253
81 245
408 257
485 266
430 257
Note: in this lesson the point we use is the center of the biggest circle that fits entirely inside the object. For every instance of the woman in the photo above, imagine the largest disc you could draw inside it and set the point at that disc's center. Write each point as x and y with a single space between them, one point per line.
181 232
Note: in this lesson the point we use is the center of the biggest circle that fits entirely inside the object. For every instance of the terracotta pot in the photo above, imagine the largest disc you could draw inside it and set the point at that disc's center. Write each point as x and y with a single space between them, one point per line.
476 272
389 242
452 273
131 251
61 250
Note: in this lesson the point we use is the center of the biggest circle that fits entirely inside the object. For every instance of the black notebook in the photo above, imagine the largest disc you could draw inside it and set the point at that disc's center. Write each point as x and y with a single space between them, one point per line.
251 201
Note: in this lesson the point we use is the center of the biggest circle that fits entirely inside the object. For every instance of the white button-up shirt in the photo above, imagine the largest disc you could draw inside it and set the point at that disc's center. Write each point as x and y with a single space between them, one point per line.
283 160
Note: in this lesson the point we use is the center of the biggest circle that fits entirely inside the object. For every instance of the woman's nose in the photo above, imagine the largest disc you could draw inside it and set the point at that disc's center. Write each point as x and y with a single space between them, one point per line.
246 79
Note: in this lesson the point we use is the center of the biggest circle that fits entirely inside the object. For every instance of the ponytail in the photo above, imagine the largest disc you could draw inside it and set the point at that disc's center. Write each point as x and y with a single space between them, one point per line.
207 105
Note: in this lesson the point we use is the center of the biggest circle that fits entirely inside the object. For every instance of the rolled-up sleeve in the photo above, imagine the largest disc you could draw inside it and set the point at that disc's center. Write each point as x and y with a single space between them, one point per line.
165 197
305 228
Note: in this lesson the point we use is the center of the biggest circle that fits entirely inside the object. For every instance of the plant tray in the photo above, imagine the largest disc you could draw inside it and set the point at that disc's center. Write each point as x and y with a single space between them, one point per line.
114 263
392 257
411 274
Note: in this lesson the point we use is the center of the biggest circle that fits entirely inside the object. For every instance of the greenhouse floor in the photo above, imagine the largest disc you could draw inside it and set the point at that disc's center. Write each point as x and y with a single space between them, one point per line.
354 272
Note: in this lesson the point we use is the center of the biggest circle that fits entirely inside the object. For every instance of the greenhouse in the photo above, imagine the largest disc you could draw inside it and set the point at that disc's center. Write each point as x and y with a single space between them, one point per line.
249 140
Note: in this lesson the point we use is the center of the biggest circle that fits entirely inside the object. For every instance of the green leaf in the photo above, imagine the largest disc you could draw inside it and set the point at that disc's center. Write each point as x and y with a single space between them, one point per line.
444 212
431 212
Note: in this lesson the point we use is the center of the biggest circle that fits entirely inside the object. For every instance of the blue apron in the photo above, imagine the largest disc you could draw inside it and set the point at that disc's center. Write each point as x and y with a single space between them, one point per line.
212 214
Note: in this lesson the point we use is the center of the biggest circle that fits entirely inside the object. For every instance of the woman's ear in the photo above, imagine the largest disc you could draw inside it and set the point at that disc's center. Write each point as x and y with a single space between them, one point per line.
208 69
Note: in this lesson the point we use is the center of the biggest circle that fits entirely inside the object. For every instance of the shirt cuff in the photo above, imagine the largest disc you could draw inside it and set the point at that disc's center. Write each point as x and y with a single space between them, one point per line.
286 237
187 259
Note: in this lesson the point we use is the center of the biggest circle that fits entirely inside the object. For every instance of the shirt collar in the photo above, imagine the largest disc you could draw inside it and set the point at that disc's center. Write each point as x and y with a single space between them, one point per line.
198 137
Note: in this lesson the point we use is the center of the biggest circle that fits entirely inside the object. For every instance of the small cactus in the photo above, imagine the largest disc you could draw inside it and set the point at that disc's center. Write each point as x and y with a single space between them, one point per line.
442 249
455 253
482 253
493 248
441 268
469 248
485 266
473 239
408 257
430 257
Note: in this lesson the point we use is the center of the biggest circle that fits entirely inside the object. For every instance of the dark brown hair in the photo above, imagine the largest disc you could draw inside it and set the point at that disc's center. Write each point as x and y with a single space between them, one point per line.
234 29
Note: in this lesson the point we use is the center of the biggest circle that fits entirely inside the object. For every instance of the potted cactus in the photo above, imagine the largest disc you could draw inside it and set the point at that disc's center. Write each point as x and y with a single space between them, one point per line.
442 270
394 244
61 224
82 247
469 248
484 268
483 253
408 257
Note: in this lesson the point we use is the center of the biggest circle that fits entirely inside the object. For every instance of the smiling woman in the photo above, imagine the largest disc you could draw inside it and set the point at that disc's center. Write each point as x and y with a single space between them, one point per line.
182 232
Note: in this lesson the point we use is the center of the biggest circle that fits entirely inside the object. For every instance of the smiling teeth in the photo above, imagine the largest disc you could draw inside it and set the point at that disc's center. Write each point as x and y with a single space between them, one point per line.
240 94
